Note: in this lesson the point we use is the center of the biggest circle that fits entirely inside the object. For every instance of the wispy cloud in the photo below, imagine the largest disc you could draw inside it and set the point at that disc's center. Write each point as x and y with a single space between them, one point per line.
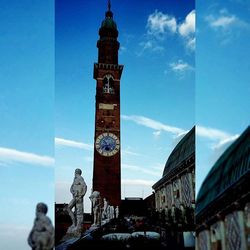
225 142
9 156
73 144
134 182
211 133
156 125
180 68
219 137
223 20
143 170
150 44
157 133
227 25
187 30
159 23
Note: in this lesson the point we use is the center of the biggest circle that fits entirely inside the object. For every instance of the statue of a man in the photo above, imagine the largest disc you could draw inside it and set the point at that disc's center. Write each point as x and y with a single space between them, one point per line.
117 212
96 205
78 190
42 234
105 209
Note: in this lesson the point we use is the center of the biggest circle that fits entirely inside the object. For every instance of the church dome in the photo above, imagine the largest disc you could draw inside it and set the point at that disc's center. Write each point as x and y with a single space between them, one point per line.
108 26
230 169
183 150
109 23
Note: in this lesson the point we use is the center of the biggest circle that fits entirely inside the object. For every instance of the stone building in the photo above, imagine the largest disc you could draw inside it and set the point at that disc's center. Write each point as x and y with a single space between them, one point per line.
223 202
175 191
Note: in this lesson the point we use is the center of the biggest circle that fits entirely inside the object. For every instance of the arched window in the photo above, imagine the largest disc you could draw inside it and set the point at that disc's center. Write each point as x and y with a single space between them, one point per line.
108 84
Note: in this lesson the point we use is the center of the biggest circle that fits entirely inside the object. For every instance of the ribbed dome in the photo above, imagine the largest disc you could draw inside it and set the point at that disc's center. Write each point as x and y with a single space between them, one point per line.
109 23
230 168
108 27
184 149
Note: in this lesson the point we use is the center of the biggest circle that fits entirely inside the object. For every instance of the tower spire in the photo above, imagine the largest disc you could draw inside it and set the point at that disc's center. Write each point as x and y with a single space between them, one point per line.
109 12
109 5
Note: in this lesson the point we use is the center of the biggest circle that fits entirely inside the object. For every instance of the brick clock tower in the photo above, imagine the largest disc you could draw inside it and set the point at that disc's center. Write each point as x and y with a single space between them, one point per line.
107 144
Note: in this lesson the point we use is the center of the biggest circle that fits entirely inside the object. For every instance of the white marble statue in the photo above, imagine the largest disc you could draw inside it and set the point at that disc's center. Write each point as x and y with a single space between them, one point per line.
116 212
96 205
78 189
108 212
42 234
112 212
105 209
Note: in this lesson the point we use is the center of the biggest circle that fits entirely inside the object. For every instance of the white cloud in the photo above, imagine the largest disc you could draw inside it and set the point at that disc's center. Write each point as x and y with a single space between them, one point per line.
224 21
147 122
187 30
157 133
225 142
150 44
180 67
190 43
9 156
146 45
159 23
73 144
141 170
220 138
123 49
211 133
227 26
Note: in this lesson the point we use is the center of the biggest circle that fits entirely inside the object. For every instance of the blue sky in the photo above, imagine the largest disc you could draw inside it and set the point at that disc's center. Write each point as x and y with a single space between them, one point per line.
27 117
222 77
166 88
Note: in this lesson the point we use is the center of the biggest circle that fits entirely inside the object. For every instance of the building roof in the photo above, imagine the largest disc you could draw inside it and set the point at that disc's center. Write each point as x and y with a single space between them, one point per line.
109 23
229 169
181 152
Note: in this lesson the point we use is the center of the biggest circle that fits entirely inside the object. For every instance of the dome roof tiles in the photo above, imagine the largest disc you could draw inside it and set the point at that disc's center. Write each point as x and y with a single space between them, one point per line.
233 164
183 150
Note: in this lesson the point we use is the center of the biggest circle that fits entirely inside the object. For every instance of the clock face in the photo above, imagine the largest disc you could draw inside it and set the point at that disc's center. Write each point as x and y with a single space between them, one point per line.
107 144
